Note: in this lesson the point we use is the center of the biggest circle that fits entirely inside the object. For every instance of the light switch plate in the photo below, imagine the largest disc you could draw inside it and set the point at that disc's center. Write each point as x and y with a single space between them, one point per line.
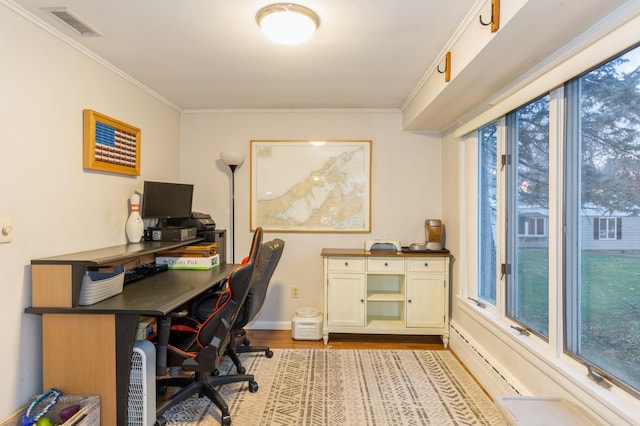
6 230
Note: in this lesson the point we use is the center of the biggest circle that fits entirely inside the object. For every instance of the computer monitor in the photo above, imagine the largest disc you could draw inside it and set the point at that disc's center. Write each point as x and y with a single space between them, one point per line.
165 200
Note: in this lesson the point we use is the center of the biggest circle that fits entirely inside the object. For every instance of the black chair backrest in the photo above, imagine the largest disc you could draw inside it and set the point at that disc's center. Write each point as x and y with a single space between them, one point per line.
216 329
268 259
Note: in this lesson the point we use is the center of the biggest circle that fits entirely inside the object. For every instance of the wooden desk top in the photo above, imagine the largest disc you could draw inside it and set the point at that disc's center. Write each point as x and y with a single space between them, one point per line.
156 295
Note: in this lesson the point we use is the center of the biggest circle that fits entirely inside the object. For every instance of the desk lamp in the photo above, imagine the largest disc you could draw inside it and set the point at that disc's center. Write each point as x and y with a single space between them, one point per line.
233 160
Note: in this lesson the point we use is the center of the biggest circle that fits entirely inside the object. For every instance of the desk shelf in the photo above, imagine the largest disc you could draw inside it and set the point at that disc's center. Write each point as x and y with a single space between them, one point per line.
56 280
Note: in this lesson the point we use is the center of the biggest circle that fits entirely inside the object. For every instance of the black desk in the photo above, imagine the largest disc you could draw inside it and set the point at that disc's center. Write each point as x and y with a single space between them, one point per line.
156 295
86 350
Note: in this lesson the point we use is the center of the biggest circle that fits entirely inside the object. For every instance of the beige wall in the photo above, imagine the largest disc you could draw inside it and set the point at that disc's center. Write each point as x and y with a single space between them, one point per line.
406 187
56 206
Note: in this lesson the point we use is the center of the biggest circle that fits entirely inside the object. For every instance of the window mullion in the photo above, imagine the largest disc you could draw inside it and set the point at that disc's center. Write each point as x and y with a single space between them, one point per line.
556 223
572 207
501 253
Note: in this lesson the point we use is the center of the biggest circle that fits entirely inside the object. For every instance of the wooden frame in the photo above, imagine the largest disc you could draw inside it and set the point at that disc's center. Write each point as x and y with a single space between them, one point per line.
311 186
110 145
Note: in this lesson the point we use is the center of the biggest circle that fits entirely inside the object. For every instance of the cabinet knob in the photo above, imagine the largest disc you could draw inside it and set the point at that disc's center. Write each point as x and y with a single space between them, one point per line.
426 264
361 300
409 300
386 264
346 263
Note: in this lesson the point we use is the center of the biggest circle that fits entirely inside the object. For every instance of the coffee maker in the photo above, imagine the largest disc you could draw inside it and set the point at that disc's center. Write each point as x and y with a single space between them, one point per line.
433 234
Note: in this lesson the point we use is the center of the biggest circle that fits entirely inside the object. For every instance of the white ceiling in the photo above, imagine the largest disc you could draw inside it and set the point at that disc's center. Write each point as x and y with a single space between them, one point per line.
210 54
202 54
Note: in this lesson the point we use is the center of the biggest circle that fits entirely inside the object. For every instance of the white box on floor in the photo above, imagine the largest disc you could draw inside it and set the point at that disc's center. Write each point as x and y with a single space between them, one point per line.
307 324
539 411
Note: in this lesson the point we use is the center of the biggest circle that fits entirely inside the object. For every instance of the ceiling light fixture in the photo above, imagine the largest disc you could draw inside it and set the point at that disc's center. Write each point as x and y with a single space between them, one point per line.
287 23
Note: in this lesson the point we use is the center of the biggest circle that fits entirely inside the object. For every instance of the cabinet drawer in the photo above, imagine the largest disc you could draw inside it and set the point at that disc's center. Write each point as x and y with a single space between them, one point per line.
385 264
345 264
425 264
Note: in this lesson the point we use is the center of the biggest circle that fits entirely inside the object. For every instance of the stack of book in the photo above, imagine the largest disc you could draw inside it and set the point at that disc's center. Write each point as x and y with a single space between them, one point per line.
197 256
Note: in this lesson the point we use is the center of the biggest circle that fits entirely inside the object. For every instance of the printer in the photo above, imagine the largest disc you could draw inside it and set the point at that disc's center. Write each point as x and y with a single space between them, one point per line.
200 221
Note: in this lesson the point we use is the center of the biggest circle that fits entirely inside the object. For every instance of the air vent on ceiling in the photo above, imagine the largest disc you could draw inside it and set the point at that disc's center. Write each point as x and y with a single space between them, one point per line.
72 20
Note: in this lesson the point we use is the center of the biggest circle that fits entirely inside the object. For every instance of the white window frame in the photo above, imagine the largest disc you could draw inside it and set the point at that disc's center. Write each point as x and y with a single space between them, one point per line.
539 222
607 228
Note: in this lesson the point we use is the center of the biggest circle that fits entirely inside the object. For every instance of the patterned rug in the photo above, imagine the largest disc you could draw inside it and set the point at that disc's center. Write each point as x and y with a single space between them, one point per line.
348 387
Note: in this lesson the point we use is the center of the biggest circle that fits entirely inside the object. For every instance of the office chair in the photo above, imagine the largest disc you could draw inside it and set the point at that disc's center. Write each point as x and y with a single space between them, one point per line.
267 262
253 305
210 342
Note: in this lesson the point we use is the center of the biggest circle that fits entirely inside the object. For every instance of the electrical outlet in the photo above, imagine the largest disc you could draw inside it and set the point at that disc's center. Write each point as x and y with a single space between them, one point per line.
295 292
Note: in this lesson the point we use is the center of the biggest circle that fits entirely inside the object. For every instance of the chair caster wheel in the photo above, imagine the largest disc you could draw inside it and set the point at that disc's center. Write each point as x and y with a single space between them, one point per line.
246 342
241 370
226 420
268 353
253 387
161 421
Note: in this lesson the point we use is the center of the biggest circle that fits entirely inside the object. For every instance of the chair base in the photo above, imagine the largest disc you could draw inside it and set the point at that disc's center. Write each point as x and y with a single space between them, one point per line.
247 349
242 344
203 385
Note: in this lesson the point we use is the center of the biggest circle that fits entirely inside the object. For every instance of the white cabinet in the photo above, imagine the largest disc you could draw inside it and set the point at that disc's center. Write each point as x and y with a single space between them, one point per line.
345 294
345 291
424 296
386 294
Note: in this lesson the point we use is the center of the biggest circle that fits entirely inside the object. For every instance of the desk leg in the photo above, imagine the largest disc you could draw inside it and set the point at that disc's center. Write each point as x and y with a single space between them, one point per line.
164 330
126 330
89 354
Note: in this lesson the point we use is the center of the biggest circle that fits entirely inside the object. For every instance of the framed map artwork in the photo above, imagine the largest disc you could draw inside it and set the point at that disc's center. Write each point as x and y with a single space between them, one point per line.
311 186
110 145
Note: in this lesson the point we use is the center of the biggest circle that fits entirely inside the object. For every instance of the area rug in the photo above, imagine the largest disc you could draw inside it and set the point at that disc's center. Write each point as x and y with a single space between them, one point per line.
347 387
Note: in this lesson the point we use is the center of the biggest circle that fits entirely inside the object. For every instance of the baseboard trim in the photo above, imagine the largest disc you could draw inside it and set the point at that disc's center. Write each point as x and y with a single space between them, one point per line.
270 325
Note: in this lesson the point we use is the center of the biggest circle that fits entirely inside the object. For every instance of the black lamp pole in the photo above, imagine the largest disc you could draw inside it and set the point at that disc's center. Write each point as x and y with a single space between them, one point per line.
233 160
233 211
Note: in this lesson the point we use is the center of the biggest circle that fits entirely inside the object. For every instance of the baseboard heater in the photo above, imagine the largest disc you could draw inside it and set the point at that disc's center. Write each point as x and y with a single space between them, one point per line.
486 364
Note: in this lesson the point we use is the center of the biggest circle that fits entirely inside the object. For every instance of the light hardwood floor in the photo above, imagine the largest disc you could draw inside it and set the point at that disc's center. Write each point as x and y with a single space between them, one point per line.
281 339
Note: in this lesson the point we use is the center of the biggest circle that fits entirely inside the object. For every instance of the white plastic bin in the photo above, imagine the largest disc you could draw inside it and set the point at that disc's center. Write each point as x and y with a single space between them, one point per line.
307 324
97 286
542 411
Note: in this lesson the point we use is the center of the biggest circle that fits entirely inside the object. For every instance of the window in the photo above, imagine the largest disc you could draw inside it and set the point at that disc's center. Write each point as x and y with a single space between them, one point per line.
531 226
607 228
556 180
527 268
487 263
602 323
